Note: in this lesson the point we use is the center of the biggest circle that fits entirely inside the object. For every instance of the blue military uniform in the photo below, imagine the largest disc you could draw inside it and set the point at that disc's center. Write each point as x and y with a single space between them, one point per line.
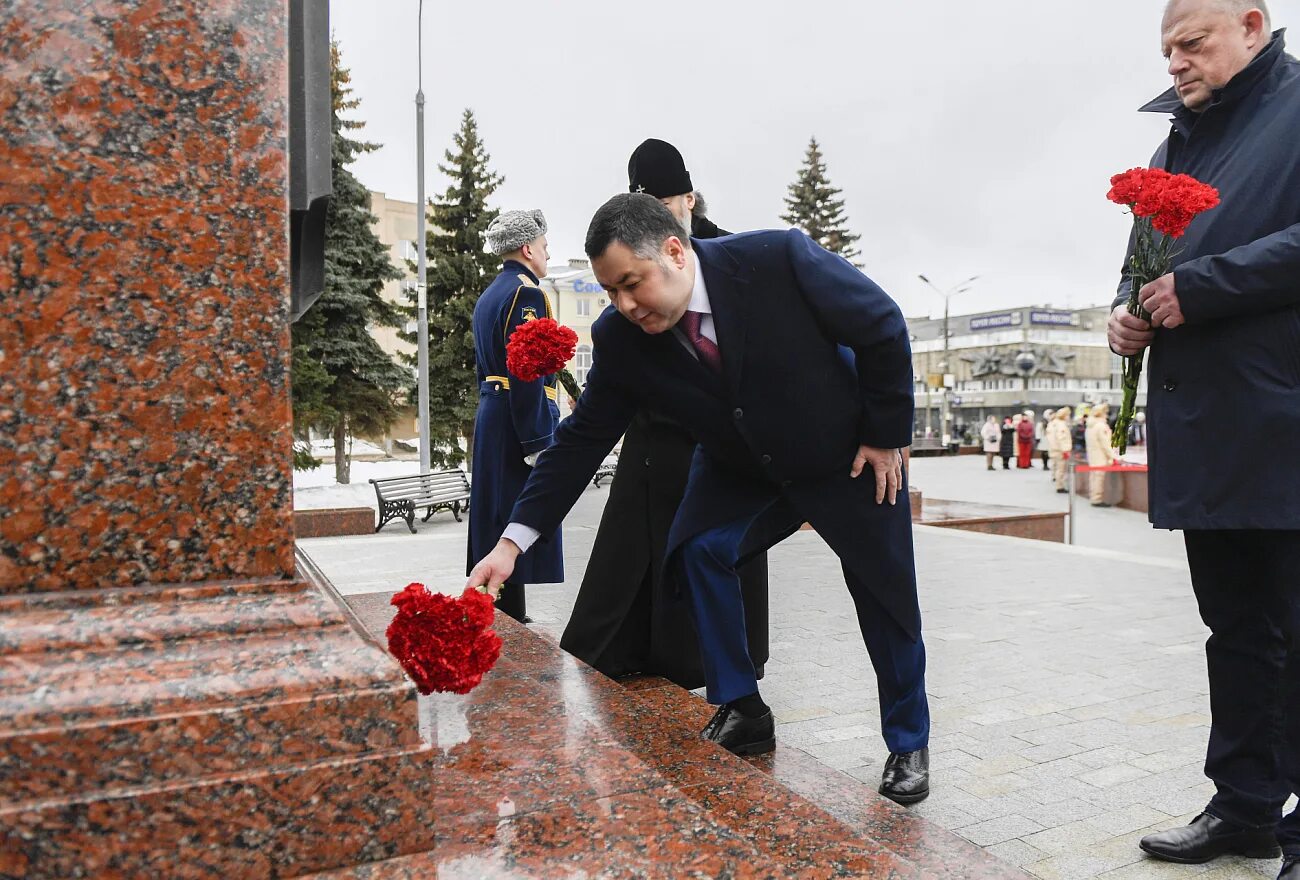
515 419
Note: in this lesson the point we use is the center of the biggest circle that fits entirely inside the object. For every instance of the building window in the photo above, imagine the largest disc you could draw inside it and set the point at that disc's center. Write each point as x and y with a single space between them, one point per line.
406 249
582 363
584 308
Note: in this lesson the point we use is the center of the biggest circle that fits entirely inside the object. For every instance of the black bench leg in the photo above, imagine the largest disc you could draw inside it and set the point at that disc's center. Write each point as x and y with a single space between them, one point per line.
455 510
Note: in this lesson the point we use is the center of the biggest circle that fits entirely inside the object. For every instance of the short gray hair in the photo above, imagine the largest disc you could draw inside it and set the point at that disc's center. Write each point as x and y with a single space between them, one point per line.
638 220
1237 7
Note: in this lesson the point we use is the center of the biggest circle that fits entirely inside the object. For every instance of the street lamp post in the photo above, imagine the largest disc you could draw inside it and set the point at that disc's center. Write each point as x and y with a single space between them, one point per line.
945 415
421 290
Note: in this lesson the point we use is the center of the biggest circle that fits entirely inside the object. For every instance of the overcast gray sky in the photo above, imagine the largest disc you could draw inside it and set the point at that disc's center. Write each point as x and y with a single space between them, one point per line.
968 138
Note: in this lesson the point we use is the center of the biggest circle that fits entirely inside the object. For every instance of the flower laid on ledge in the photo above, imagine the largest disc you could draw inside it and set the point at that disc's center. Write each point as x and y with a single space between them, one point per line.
443 643
539 348
1161 203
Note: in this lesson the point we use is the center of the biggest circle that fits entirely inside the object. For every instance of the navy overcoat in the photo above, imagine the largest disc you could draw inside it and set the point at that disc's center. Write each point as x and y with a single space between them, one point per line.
784 419
1223 403
515 419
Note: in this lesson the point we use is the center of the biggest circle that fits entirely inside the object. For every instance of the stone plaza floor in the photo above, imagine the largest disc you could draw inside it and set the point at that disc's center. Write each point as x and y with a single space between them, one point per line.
1067 684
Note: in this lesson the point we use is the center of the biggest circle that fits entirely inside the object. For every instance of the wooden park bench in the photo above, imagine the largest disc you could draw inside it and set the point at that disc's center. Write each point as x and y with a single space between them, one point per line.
399 497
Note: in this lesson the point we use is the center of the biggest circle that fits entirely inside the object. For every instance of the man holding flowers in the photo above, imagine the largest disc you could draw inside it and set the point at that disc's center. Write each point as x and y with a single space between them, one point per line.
742 340
1224 340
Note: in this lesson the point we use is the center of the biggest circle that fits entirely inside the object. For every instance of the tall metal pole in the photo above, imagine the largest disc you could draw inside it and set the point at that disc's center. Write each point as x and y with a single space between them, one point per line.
945 414
421 290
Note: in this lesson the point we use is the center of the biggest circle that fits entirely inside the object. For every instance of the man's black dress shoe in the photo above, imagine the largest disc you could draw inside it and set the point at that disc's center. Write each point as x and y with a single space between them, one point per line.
740 735
1209 837
1290 868
906 779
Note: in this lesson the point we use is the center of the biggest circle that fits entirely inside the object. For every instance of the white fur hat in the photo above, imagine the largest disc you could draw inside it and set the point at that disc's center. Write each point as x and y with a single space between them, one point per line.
514 229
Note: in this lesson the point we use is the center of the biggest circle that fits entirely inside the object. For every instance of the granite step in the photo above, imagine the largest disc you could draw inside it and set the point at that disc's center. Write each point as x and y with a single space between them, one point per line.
153 623
150 694
803 818
547 769
124 596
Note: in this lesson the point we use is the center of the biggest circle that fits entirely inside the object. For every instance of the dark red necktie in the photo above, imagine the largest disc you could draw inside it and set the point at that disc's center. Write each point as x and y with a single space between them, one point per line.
705 347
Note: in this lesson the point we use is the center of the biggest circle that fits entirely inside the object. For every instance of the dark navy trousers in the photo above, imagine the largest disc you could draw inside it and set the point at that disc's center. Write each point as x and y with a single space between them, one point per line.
1247 585
706 564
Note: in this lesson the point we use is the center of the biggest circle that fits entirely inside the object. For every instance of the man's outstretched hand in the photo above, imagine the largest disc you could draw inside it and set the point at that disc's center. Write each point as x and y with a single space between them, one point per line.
886 464
494 569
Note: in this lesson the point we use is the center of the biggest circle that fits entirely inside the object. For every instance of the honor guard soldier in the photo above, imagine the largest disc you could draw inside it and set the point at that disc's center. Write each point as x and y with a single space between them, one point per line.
516 420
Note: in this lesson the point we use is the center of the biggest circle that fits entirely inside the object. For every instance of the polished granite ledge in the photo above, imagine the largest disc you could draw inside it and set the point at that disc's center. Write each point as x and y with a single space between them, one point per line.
547 769
622 786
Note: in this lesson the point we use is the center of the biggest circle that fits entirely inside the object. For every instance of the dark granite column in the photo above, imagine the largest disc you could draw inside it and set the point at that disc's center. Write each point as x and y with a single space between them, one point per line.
174 700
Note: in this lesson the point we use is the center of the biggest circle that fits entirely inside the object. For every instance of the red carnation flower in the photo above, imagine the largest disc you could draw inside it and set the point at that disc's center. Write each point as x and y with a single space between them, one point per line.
444 644
1181 199
1160 202
1172 201
539 348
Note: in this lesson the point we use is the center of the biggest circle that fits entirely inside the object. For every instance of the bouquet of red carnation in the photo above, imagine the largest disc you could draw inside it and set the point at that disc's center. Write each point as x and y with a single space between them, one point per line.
539 348
444 643
1161 203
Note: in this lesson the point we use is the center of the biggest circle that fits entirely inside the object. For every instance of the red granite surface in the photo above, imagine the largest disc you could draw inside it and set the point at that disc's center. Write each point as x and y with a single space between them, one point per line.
557 771
144 403
332 521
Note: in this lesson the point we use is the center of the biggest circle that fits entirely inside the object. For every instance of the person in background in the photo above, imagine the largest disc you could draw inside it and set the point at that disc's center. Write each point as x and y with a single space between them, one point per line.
1040 432
516 420
1025 439
1079 435
1137 432
1058 440
991 434
1007 447
1100 454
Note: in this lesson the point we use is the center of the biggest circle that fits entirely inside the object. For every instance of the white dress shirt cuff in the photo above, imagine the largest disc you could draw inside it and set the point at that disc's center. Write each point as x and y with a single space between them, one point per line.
522 535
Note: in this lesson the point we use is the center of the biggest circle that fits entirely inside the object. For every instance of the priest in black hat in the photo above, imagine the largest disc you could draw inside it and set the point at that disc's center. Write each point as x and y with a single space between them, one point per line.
625 620
658 169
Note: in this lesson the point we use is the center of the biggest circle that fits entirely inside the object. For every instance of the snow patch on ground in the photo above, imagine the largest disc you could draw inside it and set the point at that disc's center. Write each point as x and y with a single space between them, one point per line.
316 489
324 448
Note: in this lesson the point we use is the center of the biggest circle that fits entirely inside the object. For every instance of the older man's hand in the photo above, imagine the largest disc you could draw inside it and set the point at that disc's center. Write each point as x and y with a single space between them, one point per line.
1160 299
1127 333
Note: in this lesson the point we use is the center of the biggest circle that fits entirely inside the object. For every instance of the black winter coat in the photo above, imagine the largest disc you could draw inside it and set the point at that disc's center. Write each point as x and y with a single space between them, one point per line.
1226 384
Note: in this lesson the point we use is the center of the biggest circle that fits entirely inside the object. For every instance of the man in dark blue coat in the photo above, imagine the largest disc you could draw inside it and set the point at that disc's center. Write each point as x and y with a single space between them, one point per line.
1224 379
628 617
738 340
516 420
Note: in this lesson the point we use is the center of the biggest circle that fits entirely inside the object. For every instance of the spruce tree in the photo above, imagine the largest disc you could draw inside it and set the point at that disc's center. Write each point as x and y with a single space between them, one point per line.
815 206
344 383
459 268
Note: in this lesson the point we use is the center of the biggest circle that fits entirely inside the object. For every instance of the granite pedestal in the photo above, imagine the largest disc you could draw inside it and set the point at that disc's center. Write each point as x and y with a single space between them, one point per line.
175 699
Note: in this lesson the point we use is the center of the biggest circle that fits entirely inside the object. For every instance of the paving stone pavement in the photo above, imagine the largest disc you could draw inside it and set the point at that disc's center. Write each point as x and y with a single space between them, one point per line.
1067 684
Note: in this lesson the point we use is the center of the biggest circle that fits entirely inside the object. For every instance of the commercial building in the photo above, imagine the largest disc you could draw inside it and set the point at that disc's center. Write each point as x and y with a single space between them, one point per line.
1006 361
